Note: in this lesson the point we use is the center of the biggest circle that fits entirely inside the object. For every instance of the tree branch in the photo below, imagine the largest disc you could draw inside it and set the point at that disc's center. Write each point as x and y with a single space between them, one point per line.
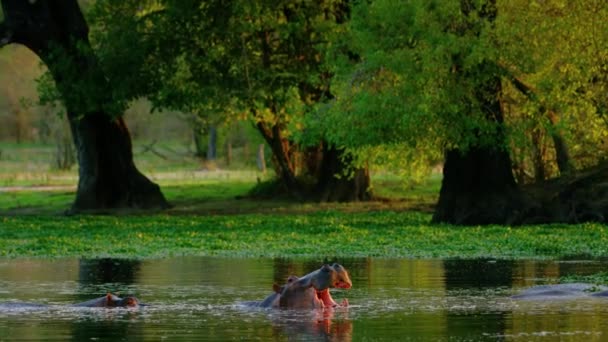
564 162
151 14
6 35
523 88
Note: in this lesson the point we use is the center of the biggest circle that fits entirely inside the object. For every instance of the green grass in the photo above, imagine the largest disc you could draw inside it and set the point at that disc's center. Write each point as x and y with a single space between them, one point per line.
208 219
204 193
33 164
322 233
35 202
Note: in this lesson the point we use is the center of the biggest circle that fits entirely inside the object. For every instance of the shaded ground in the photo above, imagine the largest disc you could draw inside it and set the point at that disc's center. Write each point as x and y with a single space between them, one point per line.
219 197
37 188
581 197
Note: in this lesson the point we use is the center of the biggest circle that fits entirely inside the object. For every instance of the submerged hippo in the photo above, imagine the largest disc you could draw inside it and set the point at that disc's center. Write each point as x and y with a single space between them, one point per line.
108 301
310 291
563 291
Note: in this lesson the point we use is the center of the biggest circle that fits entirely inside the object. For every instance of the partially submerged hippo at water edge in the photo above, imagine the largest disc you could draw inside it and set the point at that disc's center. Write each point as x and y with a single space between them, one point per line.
310 291
108 301
563 291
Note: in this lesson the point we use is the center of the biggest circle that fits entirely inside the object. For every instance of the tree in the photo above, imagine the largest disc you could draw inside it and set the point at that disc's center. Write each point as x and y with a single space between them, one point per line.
432 76
57 32
425 80
262 61
554 56
478 185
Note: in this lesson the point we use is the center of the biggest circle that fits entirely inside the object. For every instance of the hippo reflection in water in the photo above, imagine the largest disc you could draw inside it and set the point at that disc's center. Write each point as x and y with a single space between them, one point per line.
308 292
563 291
108 301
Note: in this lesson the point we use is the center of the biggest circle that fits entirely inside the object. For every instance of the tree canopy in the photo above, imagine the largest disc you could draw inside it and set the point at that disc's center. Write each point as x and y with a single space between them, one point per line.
510 86
200 56
402 74
404 87
260 61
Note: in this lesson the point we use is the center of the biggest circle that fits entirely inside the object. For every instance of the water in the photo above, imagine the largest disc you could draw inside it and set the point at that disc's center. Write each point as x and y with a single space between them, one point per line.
392 299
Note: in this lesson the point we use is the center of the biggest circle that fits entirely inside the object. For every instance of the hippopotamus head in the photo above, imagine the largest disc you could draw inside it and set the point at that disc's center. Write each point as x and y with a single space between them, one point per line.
334 276
312 290
127 302
111 301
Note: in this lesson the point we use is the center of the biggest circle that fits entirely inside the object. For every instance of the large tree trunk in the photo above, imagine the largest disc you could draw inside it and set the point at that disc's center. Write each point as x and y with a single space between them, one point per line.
538 153
57 32
325 166
562 155
199 135
108 177
334 186
212 145
282 156
478 186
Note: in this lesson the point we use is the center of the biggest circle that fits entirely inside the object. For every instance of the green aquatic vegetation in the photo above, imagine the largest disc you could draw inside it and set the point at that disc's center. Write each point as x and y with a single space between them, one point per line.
600 278
208 219
593 288
320 234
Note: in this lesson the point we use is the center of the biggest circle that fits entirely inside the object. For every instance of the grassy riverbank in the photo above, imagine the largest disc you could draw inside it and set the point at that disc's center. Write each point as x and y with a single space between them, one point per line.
211 217
321 234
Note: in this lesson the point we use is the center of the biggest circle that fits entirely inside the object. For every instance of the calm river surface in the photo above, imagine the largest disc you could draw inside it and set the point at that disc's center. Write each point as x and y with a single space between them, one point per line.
197 298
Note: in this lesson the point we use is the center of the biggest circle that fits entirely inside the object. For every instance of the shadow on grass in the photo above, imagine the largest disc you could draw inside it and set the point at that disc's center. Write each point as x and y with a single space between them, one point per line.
206 199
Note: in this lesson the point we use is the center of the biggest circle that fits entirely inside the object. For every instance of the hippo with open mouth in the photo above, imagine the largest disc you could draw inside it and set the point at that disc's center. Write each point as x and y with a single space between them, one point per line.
310 291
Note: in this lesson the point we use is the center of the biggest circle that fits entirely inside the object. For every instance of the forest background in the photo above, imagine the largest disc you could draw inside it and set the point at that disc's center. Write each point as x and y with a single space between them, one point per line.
507 97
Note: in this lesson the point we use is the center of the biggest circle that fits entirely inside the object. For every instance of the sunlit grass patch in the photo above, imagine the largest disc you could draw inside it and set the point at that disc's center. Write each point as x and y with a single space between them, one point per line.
320 234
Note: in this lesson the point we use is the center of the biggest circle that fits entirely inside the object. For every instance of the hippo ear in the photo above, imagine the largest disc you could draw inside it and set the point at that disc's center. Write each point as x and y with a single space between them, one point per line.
326 268
276 288
109 297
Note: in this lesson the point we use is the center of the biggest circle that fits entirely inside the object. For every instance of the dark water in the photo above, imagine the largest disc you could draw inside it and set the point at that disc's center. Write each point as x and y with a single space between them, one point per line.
392 300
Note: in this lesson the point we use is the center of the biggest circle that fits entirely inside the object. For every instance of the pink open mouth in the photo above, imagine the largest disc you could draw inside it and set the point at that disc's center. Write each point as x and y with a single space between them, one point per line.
325 297
343 285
